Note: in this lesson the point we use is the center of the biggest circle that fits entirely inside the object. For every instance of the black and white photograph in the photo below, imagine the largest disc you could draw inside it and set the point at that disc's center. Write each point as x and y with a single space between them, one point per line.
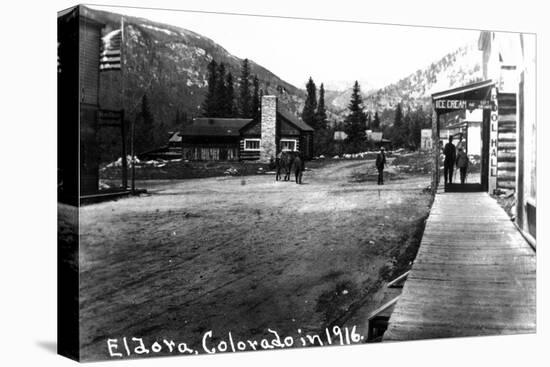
239 186
271 183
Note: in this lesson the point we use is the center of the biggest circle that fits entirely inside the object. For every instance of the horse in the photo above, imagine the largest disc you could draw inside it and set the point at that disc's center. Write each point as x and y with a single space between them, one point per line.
284 163
298 166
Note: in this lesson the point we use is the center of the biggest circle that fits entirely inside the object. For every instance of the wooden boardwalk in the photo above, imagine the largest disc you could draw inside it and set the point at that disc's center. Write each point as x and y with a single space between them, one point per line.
474 275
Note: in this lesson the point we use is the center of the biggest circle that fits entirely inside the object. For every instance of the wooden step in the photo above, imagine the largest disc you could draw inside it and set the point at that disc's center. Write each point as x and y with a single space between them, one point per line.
506 165
506 156
506 136
506 98
506 145
507 118
505 177
504 174
507 123
507 150
506 127
506 184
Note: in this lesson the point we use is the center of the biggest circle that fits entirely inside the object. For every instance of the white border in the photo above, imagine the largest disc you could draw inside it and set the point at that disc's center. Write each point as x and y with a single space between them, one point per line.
29 184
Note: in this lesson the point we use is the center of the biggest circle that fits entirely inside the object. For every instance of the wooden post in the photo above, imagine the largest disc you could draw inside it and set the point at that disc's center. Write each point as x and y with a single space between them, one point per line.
132 153
493 143
124 161
436 152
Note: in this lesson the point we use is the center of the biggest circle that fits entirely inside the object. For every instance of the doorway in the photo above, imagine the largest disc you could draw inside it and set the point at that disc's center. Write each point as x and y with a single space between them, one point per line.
461 129
467 131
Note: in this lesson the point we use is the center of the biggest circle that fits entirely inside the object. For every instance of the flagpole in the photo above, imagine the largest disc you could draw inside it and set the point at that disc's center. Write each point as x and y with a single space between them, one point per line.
132 127
132 138
123 114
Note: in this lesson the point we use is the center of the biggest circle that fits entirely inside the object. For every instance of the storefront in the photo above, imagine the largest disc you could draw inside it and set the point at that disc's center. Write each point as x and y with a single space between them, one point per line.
501 112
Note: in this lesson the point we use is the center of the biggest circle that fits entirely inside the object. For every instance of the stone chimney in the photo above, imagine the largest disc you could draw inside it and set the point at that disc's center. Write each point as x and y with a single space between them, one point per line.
268 147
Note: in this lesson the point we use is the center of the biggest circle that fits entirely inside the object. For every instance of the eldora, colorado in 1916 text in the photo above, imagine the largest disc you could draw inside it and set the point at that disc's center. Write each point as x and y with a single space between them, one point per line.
126 347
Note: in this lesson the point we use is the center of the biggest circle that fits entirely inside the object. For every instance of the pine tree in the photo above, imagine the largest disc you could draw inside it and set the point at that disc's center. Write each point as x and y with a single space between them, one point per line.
245 99
146 112
321 113
256 98
406 128
229 97
209 105
419 121
177 118
184 118
376 122
144 128
322 136
397 128
355 122
369 121
310 106
220 93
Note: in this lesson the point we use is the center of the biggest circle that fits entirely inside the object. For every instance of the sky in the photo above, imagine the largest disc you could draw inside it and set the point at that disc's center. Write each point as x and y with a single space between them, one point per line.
336 53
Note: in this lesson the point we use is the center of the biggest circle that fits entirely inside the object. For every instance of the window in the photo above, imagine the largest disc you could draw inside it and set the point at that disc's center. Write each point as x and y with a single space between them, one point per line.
252 144
288 144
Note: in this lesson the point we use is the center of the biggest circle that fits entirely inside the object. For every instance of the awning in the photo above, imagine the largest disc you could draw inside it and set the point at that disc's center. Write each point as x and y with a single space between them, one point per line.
472 96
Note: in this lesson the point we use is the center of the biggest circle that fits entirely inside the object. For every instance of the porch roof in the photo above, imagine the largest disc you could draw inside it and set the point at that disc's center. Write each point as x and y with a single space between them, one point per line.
476 91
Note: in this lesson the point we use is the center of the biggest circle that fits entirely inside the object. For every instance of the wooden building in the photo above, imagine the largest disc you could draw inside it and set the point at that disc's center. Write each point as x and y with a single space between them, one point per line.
212 139
79 40
231 139
506 103
376 140
510 60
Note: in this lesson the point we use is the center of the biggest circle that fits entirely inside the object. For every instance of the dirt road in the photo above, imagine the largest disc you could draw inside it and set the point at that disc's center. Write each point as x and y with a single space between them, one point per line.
227 254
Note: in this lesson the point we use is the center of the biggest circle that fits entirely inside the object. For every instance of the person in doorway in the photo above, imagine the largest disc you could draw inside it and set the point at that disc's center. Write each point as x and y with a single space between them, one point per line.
450 158
380 164
440 160
461 143
462 163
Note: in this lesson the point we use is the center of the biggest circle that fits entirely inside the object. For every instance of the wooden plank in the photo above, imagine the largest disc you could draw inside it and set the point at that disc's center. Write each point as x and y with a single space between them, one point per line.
383 307
474 274
397 282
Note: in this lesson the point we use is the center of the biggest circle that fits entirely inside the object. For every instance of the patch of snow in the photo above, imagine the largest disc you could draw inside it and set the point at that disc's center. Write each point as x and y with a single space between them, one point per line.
167 31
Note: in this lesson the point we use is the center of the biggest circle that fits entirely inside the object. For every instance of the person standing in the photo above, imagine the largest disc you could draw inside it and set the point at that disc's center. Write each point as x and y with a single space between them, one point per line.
462 162
380 164
449 162
461 143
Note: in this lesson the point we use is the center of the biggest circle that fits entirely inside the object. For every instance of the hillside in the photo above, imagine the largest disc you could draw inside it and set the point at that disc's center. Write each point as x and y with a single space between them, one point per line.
169 64
455 69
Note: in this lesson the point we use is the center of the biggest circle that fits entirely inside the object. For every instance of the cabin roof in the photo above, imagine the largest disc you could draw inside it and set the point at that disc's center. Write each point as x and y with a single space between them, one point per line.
205 126
293 119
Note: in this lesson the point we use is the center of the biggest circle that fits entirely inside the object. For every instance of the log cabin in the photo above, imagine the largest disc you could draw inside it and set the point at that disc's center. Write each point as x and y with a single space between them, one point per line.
234 139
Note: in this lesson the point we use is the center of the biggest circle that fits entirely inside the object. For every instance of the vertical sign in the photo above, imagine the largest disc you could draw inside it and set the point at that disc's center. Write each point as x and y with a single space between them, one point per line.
493 141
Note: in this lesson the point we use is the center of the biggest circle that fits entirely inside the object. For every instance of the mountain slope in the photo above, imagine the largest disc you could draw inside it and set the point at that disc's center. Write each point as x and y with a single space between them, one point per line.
455 69
169 64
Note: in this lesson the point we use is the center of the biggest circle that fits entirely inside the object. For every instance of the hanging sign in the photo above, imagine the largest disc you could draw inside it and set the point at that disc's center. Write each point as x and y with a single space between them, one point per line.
493 136
461 104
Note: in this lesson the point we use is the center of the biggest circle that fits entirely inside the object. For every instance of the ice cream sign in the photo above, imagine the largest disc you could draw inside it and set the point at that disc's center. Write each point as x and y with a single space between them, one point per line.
461 104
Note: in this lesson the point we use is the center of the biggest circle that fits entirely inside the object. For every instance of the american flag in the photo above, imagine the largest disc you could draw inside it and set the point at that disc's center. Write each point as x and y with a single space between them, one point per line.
109 58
